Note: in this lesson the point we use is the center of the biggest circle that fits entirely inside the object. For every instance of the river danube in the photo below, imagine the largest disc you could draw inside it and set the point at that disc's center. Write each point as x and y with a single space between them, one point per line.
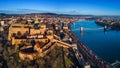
105 44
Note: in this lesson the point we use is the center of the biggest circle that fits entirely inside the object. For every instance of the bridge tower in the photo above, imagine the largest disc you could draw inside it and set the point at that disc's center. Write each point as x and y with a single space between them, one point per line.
74 25
105 28
81 29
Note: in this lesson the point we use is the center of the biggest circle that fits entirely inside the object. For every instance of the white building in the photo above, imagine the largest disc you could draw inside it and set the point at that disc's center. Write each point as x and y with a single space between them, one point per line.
87 66
1 29
2 23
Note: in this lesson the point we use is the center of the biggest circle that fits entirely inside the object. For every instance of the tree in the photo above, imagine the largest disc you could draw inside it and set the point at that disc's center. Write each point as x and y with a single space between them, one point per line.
62 35
33 42
19 34
14 34
1 49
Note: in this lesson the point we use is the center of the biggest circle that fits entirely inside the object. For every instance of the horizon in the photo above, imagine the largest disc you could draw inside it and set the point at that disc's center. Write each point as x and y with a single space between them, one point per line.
58 14
71 7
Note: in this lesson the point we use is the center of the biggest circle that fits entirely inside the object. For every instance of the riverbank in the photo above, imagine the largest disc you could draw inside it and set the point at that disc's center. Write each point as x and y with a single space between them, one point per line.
87 54
112 23
104 44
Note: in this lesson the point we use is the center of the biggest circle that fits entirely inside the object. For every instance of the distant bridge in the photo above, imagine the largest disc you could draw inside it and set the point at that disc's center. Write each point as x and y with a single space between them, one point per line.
83 28
89 29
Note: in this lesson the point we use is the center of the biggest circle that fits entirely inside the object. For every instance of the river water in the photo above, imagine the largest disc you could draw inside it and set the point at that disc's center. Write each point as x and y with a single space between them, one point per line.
105 44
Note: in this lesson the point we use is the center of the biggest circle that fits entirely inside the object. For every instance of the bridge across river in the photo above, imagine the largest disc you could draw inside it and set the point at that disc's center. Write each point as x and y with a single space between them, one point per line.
84 28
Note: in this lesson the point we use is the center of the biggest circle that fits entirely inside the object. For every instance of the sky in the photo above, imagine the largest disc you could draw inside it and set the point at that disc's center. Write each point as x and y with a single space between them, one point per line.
84 7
